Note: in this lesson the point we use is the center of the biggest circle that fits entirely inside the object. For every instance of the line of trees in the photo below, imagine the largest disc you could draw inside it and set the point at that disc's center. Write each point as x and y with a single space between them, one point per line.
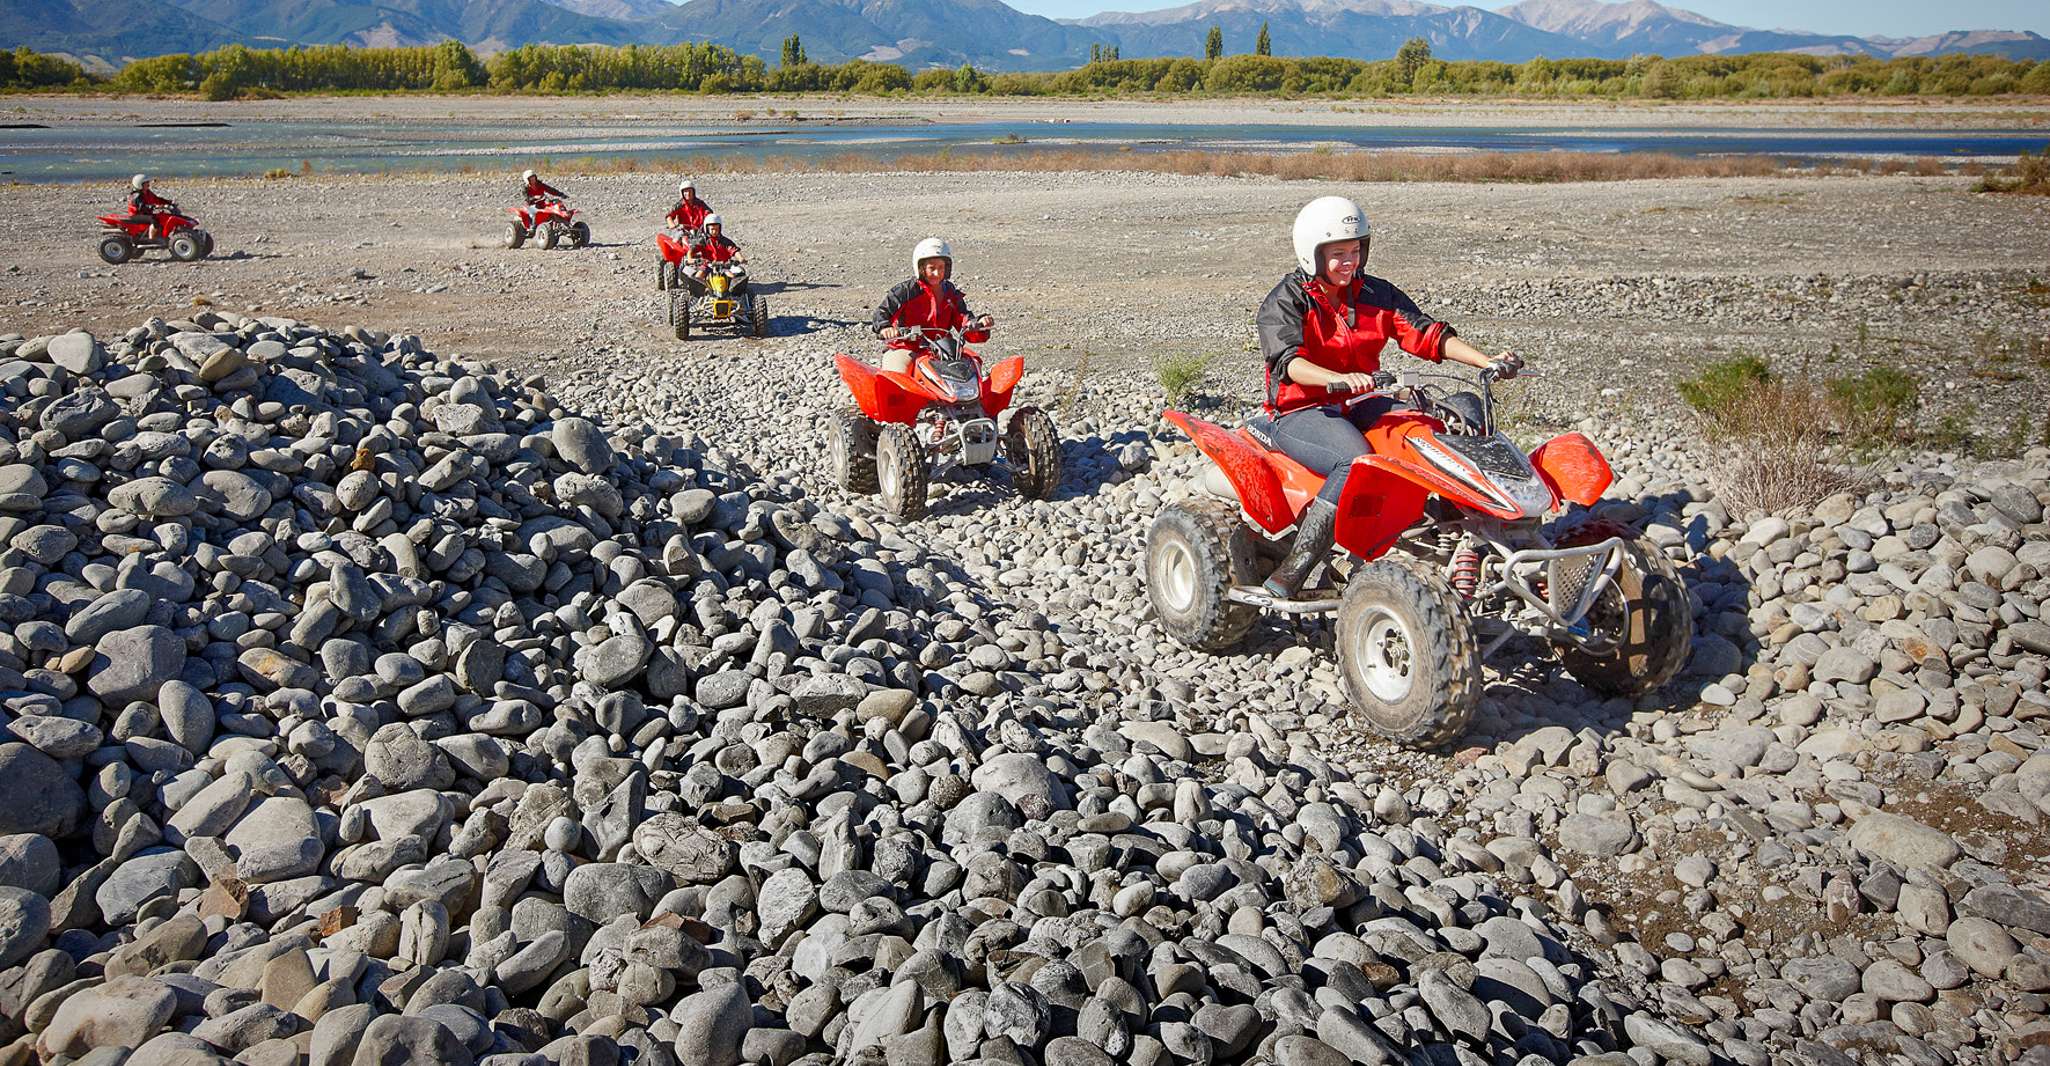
237 71
25 69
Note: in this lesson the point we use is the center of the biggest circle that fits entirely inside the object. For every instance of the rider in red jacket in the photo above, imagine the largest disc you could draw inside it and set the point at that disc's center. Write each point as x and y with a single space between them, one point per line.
713 246
535 190
145 205
689 212
1322 330
928 300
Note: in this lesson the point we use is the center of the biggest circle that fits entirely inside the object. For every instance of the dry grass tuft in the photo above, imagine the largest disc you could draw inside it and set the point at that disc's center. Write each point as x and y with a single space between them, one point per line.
1775 436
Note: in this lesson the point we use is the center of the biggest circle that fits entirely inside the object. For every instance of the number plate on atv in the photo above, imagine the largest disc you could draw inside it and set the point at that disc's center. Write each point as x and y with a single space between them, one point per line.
724 308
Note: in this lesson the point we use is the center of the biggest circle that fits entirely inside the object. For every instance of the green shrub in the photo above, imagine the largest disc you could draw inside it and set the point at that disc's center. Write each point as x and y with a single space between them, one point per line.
1181 375
2030 175
1723 387
1874 408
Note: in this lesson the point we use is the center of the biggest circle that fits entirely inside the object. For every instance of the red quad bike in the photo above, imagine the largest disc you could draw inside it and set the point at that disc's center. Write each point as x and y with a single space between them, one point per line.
672 248
1443 546
944 415
549 222
124 239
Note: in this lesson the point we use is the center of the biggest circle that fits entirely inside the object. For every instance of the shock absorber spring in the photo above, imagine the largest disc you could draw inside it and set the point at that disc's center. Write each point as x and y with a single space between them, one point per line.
1466 571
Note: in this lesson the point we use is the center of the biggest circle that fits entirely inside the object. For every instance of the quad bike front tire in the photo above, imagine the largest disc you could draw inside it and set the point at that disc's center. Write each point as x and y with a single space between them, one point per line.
206 243
579 235
679 312
901 472
1196 551
515 235
1407 653
1646 610
186 248
851 448
116 248
548 236
1033 449
661 275
758 316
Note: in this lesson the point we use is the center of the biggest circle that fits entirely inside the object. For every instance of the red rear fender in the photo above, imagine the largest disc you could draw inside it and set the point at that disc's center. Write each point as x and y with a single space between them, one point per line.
1573 468
521 215
882 395
1002 380
1380 501
1245 464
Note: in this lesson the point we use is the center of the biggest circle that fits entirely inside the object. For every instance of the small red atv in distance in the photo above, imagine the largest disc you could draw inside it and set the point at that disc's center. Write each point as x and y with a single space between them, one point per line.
1442 545
550 222
942 415
124 238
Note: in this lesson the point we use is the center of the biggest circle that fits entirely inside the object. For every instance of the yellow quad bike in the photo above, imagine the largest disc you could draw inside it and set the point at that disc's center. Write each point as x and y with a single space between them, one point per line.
721 299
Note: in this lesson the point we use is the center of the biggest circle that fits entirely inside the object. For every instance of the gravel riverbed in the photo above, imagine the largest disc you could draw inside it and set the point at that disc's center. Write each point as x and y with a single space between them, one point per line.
412 654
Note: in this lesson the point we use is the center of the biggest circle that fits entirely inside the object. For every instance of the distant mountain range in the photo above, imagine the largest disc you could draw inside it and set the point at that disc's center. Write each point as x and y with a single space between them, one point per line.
926 33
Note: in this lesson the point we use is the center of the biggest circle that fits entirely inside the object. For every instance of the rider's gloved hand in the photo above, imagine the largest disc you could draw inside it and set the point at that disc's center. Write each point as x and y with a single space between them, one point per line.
1507 366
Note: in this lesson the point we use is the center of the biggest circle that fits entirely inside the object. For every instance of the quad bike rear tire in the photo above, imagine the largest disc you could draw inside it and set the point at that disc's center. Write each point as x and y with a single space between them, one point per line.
116 248
902 475
851 447
679 312
548 236
758 316
1648 610
579 234
1033 449
206 243
661 275
1407 653
1196 551
515 235
186 248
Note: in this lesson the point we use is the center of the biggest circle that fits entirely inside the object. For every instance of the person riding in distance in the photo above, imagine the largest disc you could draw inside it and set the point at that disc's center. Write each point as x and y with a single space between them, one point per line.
144 204
689 212
535 190
928 301
1321 333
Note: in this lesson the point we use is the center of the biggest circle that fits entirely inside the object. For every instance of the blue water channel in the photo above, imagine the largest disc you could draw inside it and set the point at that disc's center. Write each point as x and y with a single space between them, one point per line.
71 151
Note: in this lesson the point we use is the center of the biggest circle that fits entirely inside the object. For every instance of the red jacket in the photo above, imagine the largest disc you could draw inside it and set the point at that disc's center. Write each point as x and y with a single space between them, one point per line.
715 250
1305 317
915 303
143 201
537 189
689 214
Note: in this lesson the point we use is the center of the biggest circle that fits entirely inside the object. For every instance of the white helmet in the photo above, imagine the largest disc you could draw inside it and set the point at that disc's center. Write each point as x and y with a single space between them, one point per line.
526 175
138 181
686 185
931 248
714 220
1324 220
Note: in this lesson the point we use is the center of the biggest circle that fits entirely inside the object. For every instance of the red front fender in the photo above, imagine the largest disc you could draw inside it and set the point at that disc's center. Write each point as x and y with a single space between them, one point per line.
882 395
1002 380
1379 502
1573 468
672 250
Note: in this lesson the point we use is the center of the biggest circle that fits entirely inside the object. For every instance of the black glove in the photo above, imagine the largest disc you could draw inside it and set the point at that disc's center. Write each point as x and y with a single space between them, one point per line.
1507 366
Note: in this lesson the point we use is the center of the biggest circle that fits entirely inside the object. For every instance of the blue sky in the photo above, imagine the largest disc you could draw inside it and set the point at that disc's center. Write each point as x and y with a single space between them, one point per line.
1892 18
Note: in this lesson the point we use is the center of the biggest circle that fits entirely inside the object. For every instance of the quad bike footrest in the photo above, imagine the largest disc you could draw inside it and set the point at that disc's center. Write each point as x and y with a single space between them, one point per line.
1317 601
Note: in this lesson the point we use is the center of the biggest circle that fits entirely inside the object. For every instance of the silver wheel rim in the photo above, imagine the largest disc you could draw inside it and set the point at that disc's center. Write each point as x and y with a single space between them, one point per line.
1384 656
886 469
837 452
1177 576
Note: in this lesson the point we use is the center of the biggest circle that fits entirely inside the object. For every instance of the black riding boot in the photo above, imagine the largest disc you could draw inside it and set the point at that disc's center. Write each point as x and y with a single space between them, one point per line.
1313 534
